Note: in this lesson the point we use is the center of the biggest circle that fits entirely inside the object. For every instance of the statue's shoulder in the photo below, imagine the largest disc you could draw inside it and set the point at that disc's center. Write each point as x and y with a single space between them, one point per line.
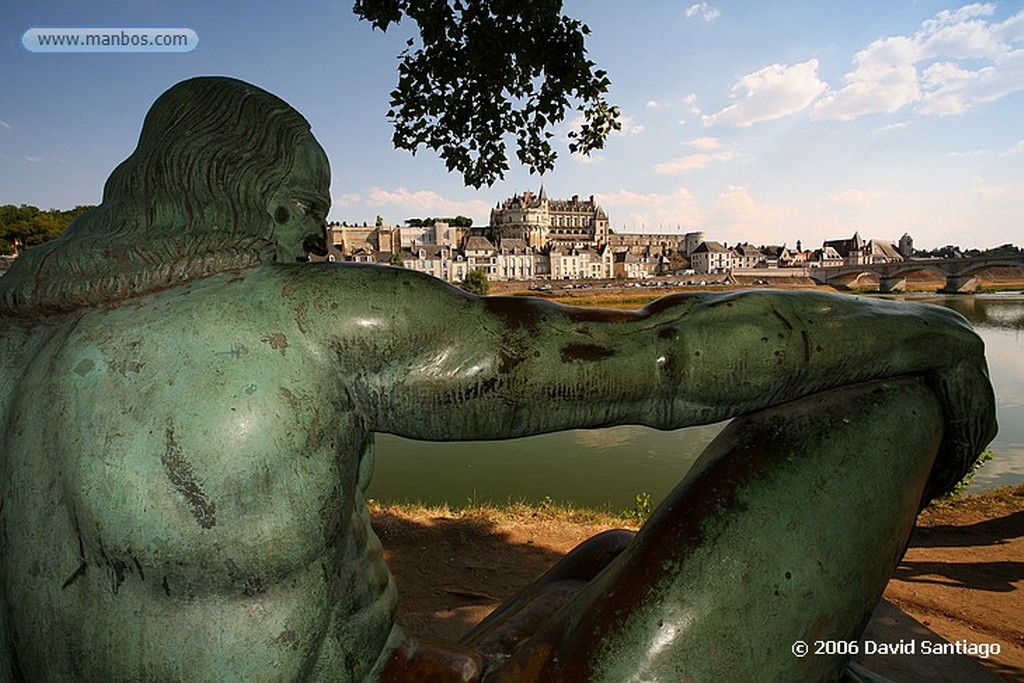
352 285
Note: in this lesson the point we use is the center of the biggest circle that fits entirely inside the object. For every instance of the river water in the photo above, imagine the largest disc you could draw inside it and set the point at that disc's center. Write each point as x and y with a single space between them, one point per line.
609 467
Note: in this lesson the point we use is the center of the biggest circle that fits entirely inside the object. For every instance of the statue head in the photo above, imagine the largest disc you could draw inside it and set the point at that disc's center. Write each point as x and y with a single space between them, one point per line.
225 176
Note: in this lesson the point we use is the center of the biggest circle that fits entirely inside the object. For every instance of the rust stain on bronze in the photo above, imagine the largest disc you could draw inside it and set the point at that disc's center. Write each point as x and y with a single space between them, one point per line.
581 314
585 352
514 311
180 473
277 341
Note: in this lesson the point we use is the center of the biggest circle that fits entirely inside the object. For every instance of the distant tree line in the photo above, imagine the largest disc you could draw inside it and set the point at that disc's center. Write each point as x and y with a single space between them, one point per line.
457 222
953 251
25 226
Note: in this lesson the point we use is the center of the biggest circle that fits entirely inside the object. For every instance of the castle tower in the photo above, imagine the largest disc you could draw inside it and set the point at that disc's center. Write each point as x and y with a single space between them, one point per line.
907 246
692 240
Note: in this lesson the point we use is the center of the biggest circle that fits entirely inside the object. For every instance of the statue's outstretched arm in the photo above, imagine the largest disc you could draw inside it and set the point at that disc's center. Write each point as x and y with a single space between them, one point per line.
431 362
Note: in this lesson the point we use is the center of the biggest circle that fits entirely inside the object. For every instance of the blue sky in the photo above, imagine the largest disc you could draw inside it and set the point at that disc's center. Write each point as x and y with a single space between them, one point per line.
767 122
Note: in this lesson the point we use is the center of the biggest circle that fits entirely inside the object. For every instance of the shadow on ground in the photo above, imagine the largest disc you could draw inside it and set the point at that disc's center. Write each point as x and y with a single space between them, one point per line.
989 532
451 573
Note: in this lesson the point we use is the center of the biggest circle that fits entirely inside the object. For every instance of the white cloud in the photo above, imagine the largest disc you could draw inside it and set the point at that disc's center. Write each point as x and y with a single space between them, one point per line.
634 211
936 69
972 153
960 33
754 220
1016 149
884 80
592 158
425 202
345 200
979 190
693 162
861 198
899 125
629 127
951 89
703 11
5 125
691 107
705 142
733 215
628 198
771 93
32 159
1012 30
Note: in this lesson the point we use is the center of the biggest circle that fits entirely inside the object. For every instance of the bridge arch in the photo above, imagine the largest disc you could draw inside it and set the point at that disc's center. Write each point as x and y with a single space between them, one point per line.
960 274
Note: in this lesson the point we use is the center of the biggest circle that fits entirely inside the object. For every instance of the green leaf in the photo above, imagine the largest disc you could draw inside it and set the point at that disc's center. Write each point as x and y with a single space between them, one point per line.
487 72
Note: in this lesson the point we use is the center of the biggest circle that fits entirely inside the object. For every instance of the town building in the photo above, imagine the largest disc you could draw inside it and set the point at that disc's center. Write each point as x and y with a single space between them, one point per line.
823 258
856 251
656 243
631 266
581 264
748 256
517 261
711 257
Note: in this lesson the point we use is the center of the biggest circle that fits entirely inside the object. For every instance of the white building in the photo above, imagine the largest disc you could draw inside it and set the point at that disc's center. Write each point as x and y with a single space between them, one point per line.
517 261
581 264
711 257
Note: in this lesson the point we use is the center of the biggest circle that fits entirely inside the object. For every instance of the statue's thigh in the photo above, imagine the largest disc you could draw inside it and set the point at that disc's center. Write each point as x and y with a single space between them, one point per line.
787 529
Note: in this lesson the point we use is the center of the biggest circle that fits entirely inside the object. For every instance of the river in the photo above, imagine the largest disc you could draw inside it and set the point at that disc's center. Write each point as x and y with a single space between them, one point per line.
609 467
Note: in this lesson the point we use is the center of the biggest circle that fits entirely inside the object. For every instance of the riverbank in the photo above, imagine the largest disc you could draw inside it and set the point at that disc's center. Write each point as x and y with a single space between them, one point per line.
633 294
962 575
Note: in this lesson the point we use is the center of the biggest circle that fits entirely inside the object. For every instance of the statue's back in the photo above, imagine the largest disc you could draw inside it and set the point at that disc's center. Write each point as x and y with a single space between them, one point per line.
170 465
23 344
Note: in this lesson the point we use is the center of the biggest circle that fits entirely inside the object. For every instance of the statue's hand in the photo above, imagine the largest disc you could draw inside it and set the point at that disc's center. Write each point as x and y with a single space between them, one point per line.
740 353
967 398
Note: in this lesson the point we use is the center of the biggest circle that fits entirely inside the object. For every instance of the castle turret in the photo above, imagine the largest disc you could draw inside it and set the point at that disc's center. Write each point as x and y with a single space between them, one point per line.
906 246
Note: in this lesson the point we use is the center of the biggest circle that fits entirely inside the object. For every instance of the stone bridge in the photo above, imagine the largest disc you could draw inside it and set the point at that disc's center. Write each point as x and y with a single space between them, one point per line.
960 273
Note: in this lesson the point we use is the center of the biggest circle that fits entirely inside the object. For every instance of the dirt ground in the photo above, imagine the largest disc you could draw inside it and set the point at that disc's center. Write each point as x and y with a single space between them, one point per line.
962 576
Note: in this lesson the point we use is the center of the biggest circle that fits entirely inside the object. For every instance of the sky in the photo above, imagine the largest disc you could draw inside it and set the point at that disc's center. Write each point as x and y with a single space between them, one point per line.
747 120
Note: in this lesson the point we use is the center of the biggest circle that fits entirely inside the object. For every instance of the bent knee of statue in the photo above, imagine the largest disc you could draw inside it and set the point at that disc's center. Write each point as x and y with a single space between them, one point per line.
787 528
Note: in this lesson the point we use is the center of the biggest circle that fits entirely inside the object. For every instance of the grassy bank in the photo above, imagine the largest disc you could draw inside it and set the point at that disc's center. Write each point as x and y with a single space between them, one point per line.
1000 501
994 503
517 512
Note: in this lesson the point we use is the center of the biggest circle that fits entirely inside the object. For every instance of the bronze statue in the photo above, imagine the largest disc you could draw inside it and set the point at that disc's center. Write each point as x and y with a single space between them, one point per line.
188 416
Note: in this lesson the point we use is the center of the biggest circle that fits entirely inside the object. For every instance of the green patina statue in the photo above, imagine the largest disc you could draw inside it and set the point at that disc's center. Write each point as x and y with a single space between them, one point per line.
187 419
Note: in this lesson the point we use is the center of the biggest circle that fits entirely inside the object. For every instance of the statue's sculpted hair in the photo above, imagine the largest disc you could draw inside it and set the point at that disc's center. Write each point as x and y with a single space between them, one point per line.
190 202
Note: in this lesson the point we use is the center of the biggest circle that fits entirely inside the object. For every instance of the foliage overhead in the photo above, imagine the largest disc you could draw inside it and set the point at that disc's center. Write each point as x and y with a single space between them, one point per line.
484 70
